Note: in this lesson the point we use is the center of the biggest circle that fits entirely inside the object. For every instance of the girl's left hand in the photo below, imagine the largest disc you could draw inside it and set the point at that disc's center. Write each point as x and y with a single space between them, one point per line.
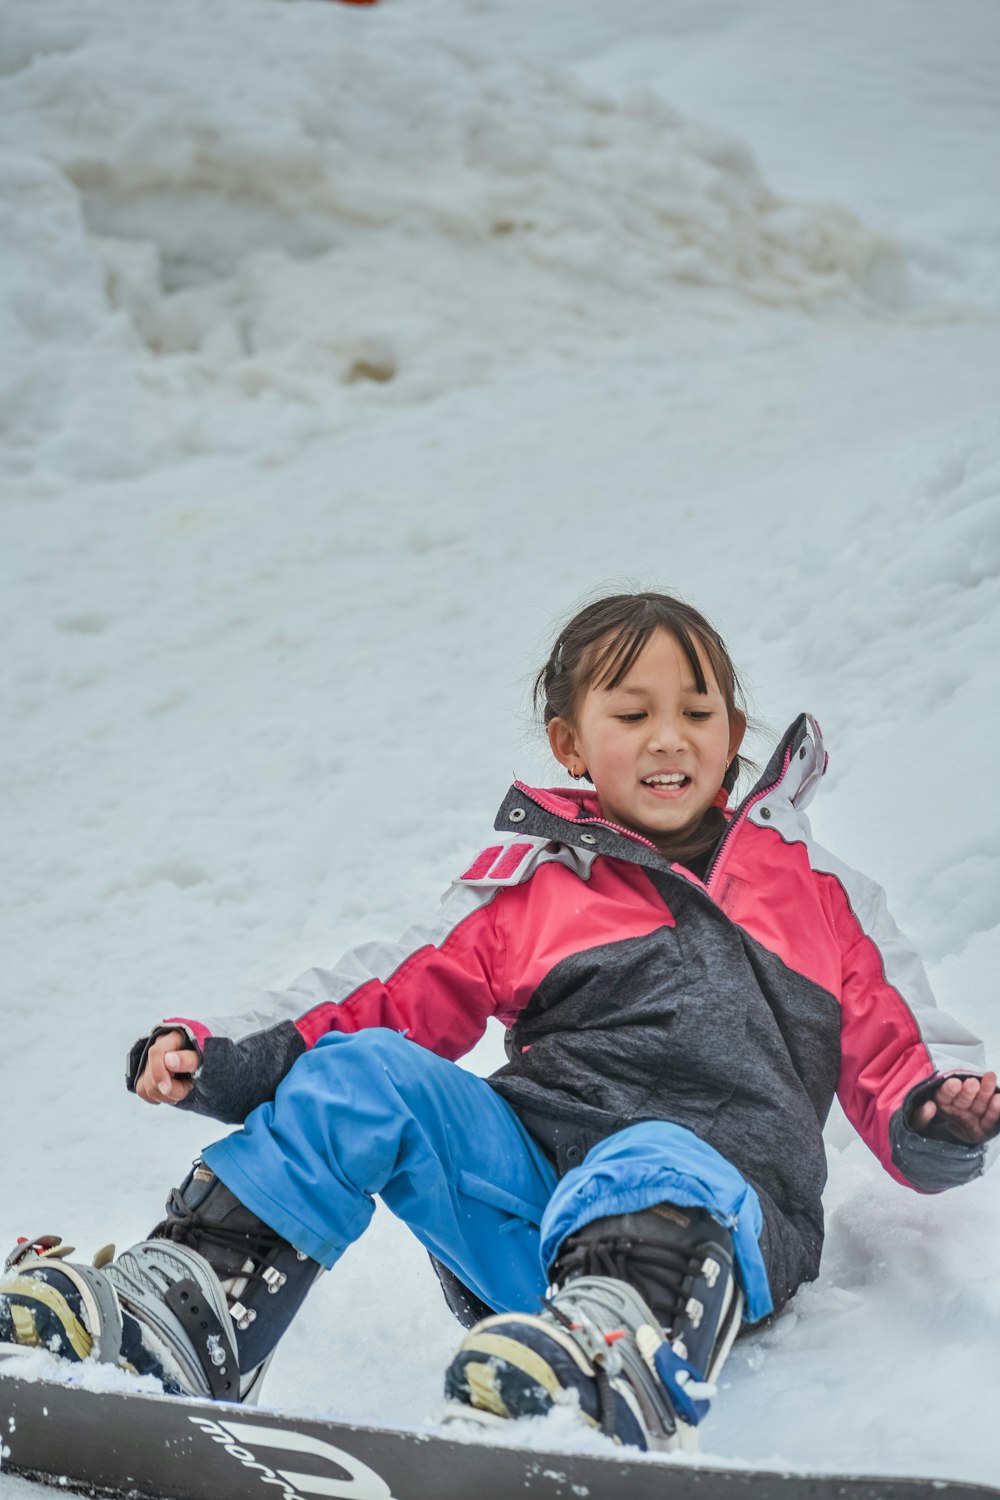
970 1107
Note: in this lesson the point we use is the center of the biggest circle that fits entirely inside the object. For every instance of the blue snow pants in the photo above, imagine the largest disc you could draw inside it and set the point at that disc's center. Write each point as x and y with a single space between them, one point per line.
370 1113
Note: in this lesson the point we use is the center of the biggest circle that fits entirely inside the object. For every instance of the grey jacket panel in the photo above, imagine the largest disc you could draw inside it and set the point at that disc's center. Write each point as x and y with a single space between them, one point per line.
710 1031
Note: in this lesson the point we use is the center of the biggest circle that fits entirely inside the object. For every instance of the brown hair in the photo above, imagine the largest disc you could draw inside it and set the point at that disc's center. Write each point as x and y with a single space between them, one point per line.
598 648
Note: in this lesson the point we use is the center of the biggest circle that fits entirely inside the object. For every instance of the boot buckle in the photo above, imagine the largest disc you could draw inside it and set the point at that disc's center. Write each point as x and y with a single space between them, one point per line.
694 1311
242 1316
46 1247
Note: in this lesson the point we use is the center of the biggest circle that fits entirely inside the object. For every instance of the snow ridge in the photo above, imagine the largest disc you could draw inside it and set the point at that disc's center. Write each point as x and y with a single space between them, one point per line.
190 230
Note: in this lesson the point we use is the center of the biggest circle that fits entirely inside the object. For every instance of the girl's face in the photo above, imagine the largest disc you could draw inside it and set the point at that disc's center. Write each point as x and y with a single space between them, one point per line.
655 747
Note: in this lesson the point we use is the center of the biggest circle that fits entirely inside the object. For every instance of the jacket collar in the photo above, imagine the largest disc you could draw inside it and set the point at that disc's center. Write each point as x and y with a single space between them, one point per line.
572 815
567 815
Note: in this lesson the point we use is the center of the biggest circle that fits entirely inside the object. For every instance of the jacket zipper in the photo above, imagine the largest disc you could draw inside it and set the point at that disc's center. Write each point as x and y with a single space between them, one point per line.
739 818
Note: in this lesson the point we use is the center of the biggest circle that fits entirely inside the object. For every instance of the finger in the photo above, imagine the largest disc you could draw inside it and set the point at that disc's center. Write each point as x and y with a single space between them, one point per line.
170 1041
924 1113
181 1062
948 1091
169 1090
957 1099
159 1076
145 1091
155 1076
980 1102
986 1093
151 1078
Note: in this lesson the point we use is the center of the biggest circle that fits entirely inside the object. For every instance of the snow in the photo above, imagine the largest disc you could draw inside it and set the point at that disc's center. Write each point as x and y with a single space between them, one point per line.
347 349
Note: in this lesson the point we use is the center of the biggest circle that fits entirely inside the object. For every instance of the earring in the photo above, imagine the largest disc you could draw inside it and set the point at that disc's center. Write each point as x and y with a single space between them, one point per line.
575 772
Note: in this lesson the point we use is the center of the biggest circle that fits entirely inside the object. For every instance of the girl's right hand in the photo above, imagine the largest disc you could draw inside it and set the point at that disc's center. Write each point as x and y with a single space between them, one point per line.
167 1077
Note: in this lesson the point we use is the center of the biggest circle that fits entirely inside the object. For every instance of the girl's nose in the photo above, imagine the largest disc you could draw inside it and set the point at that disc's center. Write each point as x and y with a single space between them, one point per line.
667 735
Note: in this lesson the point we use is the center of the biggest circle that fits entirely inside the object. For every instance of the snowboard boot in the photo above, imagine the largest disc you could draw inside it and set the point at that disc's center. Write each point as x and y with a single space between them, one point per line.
201 1304
641 1315
180 1333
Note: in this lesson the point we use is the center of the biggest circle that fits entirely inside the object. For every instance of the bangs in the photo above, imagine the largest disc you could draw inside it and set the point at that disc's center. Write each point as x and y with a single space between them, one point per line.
616 657
600 645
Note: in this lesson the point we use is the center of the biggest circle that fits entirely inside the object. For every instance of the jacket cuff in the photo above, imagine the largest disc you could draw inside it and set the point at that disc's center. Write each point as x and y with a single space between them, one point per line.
235 1077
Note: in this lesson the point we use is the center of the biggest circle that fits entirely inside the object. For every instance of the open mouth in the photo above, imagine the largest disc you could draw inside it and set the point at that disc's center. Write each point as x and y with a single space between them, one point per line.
666 782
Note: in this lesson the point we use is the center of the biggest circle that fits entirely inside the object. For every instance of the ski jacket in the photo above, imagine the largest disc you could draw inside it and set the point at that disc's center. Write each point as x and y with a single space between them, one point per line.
737 1006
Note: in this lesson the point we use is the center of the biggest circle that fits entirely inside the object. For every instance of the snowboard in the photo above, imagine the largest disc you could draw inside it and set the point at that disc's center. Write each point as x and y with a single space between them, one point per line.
124 1443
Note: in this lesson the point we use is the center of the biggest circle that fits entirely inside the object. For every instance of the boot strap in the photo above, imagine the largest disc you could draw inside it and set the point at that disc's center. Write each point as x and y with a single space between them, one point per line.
211 1341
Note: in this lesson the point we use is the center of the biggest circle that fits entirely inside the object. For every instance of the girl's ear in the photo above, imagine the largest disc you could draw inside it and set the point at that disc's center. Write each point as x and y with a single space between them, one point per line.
737 729
562 739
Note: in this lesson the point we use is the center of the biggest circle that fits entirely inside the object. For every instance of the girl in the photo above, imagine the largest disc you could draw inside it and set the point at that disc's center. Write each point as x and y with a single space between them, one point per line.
684 988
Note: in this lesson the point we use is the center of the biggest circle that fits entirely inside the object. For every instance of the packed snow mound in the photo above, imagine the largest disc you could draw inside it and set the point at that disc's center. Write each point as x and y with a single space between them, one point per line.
326 214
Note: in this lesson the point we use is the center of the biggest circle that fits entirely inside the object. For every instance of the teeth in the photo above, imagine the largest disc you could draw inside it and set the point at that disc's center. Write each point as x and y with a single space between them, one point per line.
673 779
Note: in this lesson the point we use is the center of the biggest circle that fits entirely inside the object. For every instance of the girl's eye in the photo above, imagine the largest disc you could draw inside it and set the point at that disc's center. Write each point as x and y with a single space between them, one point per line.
698 714
630 718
